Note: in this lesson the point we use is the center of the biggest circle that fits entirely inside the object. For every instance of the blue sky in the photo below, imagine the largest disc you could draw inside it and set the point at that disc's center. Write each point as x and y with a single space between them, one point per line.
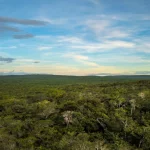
75 37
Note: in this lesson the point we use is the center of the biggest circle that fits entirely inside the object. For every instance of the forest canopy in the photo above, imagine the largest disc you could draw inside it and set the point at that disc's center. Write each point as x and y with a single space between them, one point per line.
74 113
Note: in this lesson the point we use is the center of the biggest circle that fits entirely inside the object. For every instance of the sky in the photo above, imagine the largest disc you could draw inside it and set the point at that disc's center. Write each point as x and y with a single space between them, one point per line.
75 37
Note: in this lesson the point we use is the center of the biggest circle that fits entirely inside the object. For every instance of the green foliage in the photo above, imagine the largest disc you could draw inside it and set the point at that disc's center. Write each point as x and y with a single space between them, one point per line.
37 113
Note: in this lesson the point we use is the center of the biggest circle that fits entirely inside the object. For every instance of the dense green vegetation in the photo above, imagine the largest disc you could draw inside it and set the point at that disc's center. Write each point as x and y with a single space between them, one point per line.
74 113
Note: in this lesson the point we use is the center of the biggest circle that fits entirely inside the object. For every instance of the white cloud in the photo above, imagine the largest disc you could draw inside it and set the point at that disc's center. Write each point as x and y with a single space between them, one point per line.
51 21
121 59
107 45
120 44
91 64
104 28
142 45
76 56
42 48
117 34
70 39
82 59
61 39
97 25
9 47
76 43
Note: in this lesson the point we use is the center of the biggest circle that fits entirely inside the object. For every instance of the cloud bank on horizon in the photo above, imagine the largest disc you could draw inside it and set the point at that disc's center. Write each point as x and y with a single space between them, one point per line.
74 37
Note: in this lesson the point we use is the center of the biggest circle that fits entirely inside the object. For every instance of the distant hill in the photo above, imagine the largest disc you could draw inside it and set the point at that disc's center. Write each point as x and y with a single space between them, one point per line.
61 79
